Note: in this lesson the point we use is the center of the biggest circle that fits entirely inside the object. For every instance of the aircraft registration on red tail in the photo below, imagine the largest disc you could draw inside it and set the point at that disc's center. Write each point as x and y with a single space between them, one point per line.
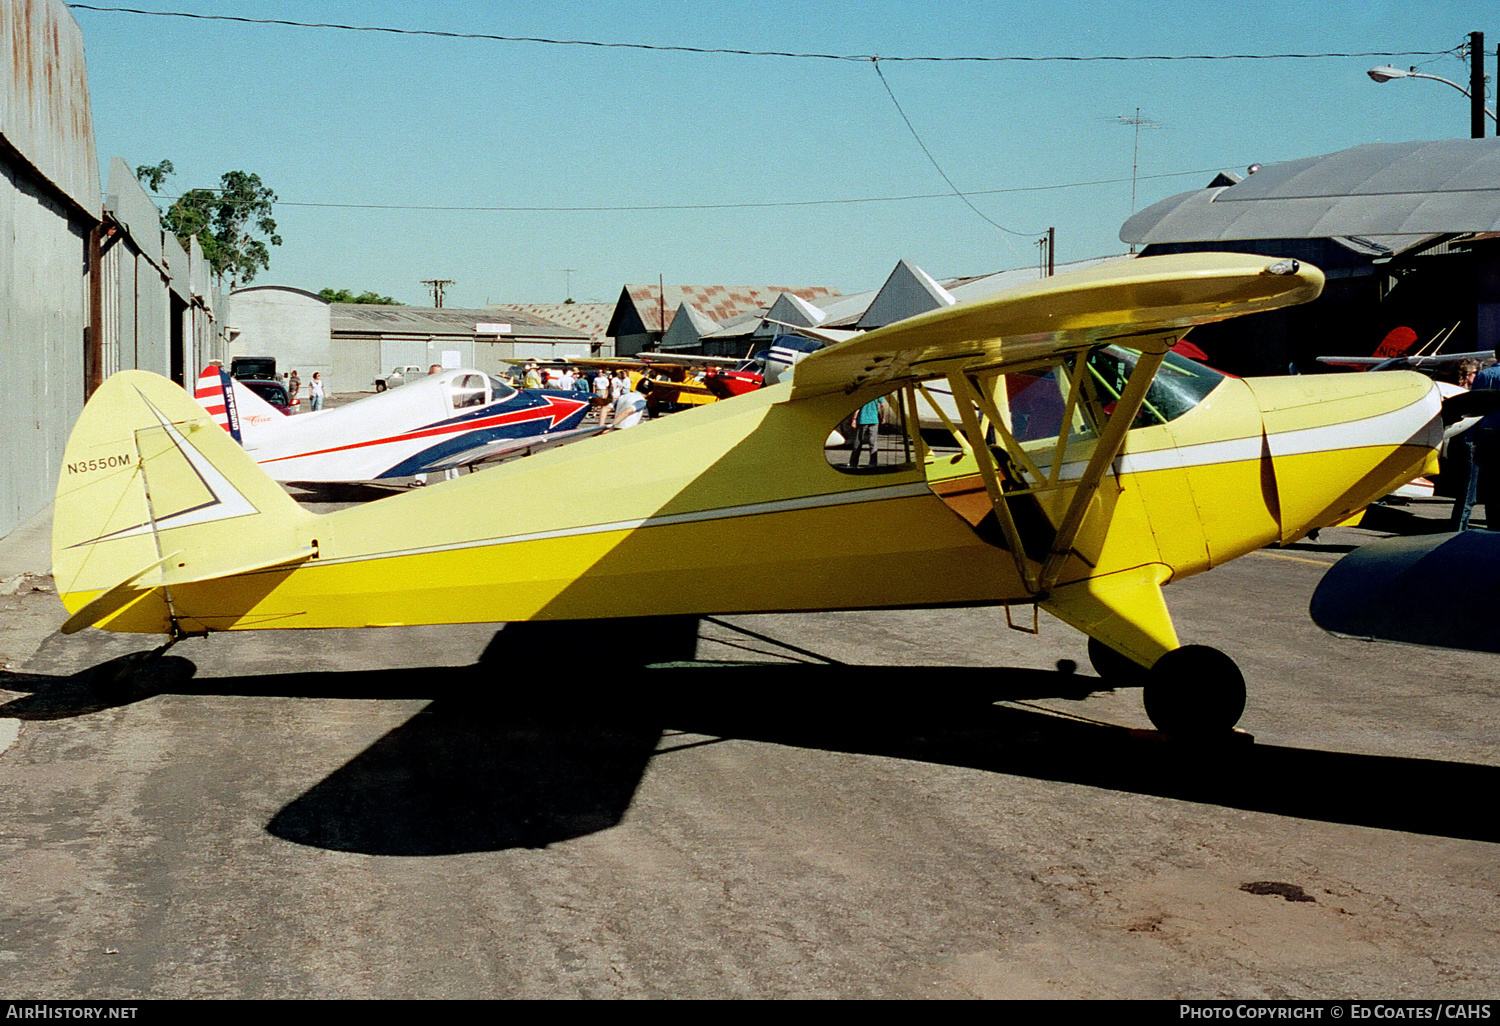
1105 470
439 422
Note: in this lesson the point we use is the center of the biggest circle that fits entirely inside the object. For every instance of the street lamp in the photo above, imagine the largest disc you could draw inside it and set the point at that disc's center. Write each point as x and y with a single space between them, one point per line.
1385 73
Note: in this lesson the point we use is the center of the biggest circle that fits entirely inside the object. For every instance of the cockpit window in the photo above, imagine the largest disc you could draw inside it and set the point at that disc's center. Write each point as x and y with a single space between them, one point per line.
1179 386
499 389
469 390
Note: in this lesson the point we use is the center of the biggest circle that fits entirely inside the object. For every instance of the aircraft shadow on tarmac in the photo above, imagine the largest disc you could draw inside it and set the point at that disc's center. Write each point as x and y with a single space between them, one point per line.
1407 519
483 768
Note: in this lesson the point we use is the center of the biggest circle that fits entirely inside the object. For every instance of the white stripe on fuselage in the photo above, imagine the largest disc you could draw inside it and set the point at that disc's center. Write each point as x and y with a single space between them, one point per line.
1391 428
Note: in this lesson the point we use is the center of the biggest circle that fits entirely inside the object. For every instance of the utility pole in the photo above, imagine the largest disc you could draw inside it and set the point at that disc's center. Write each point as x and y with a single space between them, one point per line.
1476 85
1044 246
437 285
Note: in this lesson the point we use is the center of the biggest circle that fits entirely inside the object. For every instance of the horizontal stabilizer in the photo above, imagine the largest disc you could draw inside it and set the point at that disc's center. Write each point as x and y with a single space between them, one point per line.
1435 589
113 600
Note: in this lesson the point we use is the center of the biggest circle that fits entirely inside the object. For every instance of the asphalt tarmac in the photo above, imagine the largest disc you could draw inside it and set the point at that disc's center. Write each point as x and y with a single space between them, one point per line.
916 804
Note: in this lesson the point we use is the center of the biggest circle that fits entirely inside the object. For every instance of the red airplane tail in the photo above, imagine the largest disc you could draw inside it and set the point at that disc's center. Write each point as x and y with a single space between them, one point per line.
1397 342
215 393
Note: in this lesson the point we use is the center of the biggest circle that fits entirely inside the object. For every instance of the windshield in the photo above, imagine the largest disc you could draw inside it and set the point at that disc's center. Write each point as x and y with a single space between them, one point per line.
468 390
1180 385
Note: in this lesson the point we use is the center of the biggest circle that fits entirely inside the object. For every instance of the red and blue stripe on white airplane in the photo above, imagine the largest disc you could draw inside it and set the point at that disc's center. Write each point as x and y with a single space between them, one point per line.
445 420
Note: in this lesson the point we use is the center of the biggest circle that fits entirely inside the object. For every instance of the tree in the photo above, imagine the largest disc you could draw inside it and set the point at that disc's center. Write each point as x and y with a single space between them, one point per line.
345 296
232 223
153 176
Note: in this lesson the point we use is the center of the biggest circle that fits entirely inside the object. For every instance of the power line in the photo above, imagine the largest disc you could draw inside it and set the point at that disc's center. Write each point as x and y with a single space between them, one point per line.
766 204
491 37
933 160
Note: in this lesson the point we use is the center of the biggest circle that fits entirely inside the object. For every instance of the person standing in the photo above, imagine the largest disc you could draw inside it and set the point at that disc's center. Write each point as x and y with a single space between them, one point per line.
1486 450
1461 451
293 388
866 433
601 393
315 391
582 385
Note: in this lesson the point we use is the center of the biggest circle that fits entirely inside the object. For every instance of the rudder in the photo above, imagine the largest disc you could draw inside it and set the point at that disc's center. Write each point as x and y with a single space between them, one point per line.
153 493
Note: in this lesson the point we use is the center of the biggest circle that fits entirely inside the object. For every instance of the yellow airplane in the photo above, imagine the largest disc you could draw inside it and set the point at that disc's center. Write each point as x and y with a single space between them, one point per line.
1093 468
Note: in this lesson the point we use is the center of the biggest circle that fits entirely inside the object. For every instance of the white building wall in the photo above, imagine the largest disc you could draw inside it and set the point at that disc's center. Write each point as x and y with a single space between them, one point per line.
289 324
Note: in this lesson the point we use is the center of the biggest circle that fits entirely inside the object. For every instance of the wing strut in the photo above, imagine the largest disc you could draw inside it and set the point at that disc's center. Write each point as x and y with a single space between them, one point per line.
1006 482
1108 448
968 396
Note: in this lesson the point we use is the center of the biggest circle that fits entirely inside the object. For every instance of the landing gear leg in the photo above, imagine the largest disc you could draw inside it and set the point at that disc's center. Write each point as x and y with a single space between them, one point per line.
1113 666
1195 690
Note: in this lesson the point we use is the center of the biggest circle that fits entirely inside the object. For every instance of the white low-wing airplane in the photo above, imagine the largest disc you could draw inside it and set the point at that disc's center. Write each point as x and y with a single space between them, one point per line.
445 420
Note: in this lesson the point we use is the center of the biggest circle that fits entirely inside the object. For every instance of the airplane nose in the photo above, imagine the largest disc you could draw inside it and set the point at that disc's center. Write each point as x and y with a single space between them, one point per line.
1338 442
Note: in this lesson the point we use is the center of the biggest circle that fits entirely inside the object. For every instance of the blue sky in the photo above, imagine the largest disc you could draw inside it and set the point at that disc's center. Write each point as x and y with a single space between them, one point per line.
336 117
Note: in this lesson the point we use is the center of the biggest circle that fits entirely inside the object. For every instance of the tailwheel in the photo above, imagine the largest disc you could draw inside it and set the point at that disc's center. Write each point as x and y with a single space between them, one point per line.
1114 666
1195 690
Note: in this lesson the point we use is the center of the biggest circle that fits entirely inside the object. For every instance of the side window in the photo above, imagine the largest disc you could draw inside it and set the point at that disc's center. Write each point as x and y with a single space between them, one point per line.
873 438
469 391
1037 404
1044 414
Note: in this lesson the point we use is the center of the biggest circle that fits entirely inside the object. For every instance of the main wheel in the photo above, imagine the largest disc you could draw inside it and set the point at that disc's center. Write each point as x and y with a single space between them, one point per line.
1112 665
1195 690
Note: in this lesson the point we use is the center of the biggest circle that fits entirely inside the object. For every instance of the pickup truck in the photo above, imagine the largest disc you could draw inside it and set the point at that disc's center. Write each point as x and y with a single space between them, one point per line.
398 377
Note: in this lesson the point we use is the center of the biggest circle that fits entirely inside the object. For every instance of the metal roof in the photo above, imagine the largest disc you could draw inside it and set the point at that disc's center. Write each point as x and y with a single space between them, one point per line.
590 318
718 302
373 318
1414 188
45 113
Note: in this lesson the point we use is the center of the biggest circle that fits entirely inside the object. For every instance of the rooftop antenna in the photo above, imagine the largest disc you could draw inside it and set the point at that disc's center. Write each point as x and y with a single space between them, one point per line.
1137 122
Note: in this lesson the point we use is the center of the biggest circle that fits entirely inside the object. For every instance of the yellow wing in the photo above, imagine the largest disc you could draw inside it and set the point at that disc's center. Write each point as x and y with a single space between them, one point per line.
1129 301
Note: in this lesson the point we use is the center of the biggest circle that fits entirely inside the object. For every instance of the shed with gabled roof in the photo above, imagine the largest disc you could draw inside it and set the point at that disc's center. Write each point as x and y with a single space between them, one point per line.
644 313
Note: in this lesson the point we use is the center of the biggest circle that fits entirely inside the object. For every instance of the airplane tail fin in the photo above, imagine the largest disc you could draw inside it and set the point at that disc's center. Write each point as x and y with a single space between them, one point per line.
1397 342
153 498
215 393
258 419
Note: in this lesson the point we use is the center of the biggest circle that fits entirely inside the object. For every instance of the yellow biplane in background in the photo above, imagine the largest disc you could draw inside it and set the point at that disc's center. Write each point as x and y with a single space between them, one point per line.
1094 468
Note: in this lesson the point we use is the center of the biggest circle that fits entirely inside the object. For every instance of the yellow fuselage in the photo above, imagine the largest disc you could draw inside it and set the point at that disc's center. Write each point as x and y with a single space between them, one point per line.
734 507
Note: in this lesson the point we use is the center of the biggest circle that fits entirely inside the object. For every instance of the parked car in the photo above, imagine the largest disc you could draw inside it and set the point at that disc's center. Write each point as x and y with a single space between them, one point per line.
273 392
398 377
253 368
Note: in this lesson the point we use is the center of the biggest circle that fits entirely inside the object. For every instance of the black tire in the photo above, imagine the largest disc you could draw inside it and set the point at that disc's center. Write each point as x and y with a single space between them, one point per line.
1113 666
1195 690
380 386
